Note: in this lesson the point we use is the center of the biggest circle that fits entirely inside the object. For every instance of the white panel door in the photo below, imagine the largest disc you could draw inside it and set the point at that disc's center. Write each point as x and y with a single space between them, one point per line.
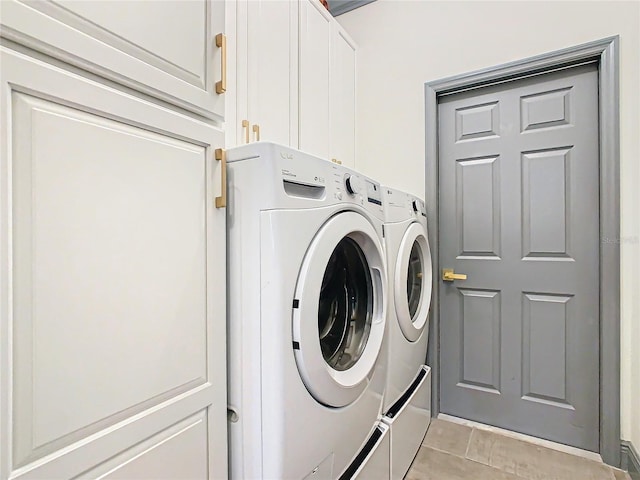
165 48
315 35
342 87
112 320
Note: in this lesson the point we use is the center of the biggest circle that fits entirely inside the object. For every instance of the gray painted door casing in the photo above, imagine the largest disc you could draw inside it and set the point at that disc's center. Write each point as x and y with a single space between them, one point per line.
519 200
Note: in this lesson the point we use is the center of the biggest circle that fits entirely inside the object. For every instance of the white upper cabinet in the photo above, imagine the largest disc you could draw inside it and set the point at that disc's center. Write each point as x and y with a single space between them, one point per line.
327 90
266 71
294 78
342 89
315 37
165 48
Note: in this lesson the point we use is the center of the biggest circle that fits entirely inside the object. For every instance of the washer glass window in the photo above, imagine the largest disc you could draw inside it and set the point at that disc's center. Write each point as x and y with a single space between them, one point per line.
414 279
346 306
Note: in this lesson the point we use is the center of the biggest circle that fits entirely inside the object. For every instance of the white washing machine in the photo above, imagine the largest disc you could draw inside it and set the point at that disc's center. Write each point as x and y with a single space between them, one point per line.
307 313
407 397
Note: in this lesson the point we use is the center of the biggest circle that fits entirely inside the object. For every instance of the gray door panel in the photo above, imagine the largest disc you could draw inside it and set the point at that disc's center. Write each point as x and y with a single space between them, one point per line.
519 214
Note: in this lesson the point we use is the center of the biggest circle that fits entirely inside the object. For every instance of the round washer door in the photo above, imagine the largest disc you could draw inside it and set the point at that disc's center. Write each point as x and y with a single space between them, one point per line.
338 318
413 282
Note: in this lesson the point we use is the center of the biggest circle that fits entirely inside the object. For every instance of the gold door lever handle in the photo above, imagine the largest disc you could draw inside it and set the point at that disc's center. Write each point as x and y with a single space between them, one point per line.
449 276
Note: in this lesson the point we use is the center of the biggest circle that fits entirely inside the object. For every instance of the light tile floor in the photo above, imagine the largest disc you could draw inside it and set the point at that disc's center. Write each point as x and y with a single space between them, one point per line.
452 451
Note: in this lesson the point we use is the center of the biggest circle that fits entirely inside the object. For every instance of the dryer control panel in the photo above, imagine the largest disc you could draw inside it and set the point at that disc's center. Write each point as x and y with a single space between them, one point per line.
418 207
400 206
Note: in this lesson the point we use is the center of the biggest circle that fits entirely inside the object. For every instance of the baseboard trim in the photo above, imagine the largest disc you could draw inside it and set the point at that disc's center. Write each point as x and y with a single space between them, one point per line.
629 459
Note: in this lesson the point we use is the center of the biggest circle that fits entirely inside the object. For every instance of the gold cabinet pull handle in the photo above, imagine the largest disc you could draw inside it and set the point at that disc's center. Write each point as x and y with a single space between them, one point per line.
448 275
221 42
221 156
245 124
256 132
336 161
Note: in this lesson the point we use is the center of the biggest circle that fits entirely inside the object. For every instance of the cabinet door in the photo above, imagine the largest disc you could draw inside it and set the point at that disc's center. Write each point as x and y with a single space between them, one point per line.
342 87
165 48
270 25
112 253
315 34
266 66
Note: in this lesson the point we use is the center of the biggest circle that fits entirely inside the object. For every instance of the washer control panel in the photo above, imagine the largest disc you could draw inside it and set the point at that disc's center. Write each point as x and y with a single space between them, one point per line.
350 187
358 188
305 176
374 192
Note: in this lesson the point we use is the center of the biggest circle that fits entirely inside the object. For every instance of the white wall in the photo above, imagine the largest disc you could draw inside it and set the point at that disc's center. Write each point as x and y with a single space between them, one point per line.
403 44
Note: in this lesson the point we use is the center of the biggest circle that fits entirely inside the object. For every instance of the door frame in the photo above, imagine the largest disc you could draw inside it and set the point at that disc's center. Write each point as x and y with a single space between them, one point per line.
605 53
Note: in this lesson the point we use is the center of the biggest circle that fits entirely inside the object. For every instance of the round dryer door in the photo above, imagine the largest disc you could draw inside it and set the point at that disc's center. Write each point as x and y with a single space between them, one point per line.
413 282
338 314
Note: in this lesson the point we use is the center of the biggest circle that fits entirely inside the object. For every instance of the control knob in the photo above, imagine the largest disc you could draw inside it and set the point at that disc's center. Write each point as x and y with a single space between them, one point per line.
353 184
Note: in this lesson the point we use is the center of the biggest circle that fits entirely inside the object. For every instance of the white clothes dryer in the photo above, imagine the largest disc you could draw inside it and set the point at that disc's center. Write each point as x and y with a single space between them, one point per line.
407 398
307 316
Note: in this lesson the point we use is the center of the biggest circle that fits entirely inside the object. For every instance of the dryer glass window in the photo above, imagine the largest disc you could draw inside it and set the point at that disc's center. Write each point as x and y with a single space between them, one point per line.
414 279
346 306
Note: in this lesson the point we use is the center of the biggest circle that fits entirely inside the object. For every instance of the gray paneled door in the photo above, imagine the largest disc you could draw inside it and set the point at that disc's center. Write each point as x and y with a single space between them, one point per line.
519 215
